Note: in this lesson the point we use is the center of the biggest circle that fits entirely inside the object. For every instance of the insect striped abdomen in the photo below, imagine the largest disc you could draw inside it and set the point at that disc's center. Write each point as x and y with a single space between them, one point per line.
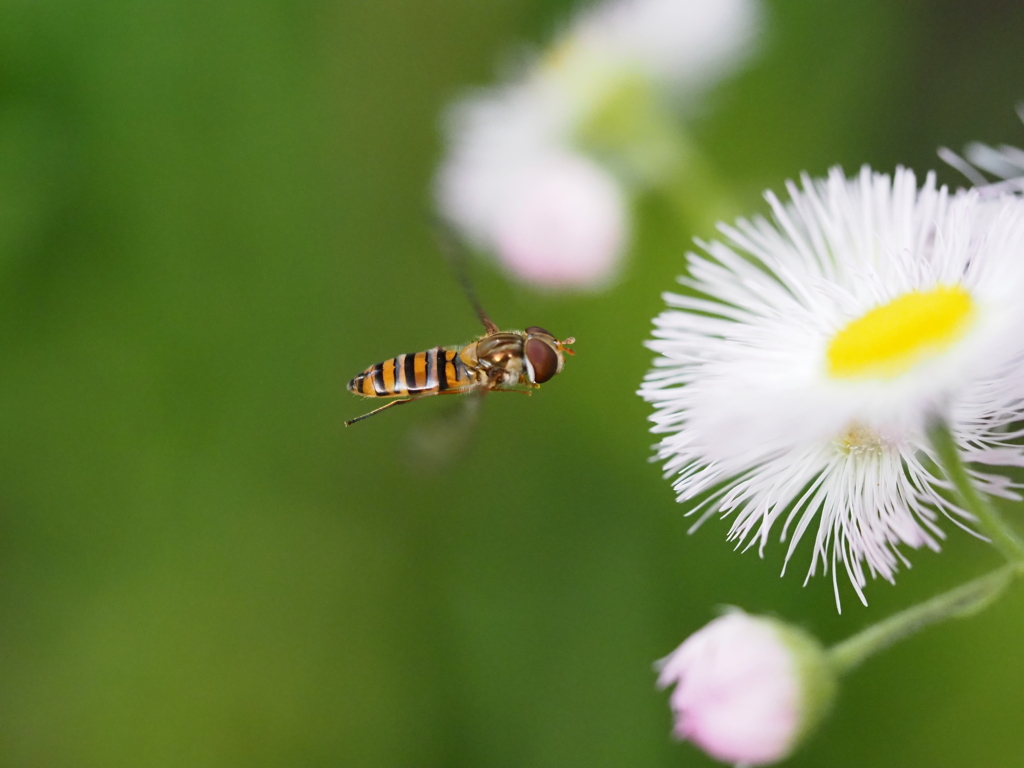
422 373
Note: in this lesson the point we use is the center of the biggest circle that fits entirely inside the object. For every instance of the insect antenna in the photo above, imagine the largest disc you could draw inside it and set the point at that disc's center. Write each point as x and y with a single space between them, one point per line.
455 254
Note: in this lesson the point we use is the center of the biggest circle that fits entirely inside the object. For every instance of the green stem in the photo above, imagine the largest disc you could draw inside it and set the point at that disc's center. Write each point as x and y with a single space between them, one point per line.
991 523
637 133
957 603
962 601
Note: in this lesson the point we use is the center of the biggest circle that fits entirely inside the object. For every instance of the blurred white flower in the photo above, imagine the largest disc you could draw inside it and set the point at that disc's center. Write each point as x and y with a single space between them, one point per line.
596 96
801 368
1005 162
748 688
683 44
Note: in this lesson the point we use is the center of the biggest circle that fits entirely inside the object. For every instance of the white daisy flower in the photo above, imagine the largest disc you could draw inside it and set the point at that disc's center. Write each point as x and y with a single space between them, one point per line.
594 96
798 373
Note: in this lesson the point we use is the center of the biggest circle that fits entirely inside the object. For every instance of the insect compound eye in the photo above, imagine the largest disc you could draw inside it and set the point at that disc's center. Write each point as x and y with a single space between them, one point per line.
538 329
543 360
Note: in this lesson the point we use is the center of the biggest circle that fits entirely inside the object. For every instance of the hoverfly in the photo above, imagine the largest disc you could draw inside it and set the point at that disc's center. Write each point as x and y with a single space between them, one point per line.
517 361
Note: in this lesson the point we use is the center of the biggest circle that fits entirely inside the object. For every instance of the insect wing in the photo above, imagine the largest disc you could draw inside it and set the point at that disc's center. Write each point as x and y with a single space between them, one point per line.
442 439
455 254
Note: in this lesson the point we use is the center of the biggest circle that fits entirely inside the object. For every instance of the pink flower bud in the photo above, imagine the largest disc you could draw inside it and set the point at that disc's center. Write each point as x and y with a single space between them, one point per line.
564 224
748 688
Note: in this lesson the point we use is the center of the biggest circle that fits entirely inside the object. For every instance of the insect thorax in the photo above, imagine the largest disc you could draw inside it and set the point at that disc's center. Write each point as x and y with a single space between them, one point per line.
497 358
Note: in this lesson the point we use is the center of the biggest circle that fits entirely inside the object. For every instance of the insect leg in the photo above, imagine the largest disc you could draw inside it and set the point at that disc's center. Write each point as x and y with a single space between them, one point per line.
493 384
350 422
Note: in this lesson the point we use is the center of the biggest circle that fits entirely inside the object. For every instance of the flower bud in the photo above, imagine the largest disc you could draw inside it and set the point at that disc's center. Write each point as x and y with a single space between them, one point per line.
564 224
748 688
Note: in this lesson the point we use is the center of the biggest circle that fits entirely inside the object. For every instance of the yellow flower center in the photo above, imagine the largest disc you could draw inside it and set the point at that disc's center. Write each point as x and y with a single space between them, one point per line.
891 339
859 440
558 55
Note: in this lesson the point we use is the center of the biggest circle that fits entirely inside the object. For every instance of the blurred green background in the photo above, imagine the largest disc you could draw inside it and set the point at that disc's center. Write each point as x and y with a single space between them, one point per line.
212 215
